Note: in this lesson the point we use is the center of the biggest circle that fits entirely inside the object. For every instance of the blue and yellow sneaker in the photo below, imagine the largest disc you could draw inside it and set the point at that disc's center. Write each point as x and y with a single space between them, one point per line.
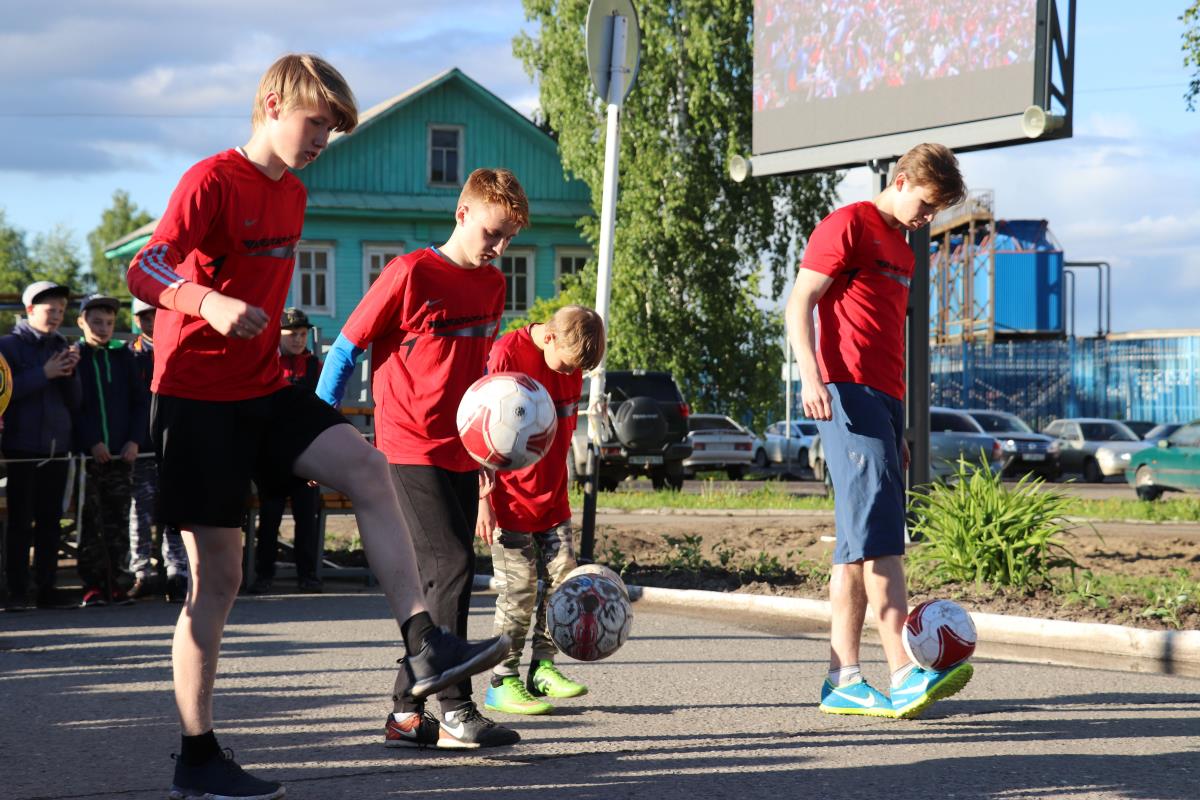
924 686
857 697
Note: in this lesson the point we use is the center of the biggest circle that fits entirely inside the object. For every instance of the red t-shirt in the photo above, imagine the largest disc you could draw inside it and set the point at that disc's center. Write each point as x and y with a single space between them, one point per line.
230 228
862 314
432 324
534 499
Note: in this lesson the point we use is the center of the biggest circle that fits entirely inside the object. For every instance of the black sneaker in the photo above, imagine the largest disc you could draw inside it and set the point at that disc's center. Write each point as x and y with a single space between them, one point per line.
176 589
445 659
414 729
465 729
17 601
53 598
261 585
310 585
220 778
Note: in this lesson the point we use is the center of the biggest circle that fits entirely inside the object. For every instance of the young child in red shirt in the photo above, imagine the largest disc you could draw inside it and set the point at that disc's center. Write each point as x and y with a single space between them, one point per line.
430 319
526 519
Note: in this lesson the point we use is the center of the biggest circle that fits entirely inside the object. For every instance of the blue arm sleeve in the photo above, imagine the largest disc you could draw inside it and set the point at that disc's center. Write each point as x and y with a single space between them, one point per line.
339 363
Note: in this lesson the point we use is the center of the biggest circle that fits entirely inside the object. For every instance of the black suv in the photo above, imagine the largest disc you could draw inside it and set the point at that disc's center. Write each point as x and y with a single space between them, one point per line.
645 434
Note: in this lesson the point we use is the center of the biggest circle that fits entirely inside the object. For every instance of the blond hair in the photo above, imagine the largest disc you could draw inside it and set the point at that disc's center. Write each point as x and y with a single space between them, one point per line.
499 187
579 336
302 81
934 166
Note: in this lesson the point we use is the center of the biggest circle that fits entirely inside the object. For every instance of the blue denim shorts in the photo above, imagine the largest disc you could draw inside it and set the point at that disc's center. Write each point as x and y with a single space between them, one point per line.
862 452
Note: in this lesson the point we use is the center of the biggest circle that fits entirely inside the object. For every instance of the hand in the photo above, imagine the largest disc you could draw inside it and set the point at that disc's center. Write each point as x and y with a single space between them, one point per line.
232 317
905 455
816 400
485 522
100 453
61 364
129 452
487 481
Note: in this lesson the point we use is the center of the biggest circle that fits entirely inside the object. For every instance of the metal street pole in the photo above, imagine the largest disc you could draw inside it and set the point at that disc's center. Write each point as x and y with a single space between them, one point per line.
614 42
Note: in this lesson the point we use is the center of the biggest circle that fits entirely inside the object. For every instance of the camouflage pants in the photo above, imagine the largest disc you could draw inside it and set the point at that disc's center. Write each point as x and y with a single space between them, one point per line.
104 538
519 560
141 526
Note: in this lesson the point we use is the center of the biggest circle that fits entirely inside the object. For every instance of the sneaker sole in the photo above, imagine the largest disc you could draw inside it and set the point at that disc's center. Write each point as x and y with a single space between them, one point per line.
187 794
529 712
485 660
856 712
411 743
951 685
559 696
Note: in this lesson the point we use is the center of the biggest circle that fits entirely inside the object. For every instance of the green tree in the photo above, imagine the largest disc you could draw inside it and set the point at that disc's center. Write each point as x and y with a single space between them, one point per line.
1191 51
693 250
14 266
54 256
122 217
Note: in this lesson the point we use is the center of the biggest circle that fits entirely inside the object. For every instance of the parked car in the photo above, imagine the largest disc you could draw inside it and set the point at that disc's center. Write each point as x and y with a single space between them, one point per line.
782 444
645 432
955 435
1096 447
816 454
718 443
1140 427
1171 466
1024 450
1160 432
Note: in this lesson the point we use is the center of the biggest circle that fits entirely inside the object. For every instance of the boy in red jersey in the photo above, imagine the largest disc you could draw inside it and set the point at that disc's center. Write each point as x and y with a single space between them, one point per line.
219 266
432 316
856 272
526 519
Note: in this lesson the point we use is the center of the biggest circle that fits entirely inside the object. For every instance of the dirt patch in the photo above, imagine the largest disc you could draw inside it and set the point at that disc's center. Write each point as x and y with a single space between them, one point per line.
790 555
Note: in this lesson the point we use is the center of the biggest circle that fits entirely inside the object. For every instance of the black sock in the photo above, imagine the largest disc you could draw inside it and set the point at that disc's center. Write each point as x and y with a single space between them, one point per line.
196 750
414 630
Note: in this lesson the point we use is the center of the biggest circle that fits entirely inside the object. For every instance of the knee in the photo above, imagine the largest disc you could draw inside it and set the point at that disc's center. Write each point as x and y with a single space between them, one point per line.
367 475
218 580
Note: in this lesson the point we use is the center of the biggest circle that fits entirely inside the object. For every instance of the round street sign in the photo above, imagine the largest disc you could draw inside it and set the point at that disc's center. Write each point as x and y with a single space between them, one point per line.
601 20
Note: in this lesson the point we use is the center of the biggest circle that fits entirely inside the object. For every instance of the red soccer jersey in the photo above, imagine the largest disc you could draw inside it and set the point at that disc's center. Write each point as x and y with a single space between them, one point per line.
534 499
432 324
862 314
230 228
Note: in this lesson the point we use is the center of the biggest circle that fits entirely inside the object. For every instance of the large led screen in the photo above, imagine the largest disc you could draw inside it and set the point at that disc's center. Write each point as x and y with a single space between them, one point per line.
832 71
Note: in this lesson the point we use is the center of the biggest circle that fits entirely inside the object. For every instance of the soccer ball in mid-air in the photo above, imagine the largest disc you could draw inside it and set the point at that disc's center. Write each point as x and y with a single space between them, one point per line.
939 634
506 420
589 614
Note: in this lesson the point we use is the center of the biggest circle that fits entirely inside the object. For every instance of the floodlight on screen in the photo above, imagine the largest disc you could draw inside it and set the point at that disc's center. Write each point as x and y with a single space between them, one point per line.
830 71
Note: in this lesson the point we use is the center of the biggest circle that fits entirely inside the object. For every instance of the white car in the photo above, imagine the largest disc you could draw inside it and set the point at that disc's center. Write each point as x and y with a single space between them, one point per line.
718 443
779 446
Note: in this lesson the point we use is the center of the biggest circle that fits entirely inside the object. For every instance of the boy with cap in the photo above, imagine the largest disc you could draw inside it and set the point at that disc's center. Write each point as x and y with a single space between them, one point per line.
300 368
38 430
145 487
114 415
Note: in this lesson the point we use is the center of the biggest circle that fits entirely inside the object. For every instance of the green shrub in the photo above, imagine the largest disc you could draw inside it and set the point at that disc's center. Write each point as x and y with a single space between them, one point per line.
971 528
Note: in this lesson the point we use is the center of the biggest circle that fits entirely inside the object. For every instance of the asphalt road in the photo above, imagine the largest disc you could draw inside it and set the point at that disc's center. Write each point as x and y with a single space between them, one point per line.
688 708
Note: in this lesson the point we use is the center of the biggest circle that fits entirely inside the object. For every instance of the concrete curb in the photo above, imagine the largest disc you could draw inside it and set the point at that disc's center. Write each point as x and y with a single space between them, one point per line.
820 512
1164 647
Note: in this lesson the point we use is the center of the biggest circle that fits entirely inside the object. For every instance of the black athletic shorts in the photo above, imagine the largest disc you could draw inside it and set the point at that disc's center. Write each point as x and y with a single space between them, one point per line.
210 451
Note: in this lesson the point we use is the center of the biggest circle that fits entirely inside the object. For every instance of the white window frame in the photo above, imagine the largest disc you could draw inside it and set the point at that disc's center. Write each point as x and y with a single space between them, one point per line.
462 137
567 252
530 256
380 249
330 251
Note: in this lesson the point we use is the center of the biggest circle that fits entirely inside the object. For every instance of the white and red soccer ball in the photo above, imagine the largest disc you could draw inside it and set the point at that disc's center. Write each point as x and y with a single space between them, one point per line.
589 614
939 634
507 420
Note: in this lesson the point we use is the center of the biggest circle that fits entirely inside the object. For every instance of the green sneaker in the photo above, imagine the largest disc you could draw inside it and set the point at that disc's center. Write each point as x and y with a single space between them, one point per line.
511 697
546 681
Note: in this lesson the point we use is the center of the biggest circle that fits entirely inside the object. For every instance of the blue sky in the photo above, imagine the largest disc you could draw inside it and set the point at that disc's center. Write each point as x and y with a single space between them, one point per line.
128 93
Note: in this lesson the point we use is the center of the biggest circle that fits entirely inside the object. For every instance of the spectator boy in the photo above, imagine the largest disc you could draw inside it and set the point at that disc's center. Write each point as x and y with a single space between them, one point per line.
145 488
526 519
301 368
432 316
113 418
220 265
38 436
856 273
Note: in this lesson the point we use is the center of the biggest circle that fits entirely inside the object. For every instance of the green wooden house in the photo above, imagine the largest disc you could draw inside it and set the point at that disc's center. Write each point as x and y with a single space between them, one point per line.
392 186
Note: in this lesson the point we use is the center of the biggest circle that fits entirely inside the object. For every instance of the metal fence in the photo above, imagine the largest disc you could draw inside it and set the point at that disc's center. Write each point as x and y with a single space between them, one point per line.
1154 379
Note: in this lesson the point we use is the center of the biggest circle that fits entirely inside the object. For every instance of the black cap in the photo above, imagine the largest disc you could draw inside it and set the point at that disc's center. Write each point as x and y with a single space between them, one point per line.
100 301
294 318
